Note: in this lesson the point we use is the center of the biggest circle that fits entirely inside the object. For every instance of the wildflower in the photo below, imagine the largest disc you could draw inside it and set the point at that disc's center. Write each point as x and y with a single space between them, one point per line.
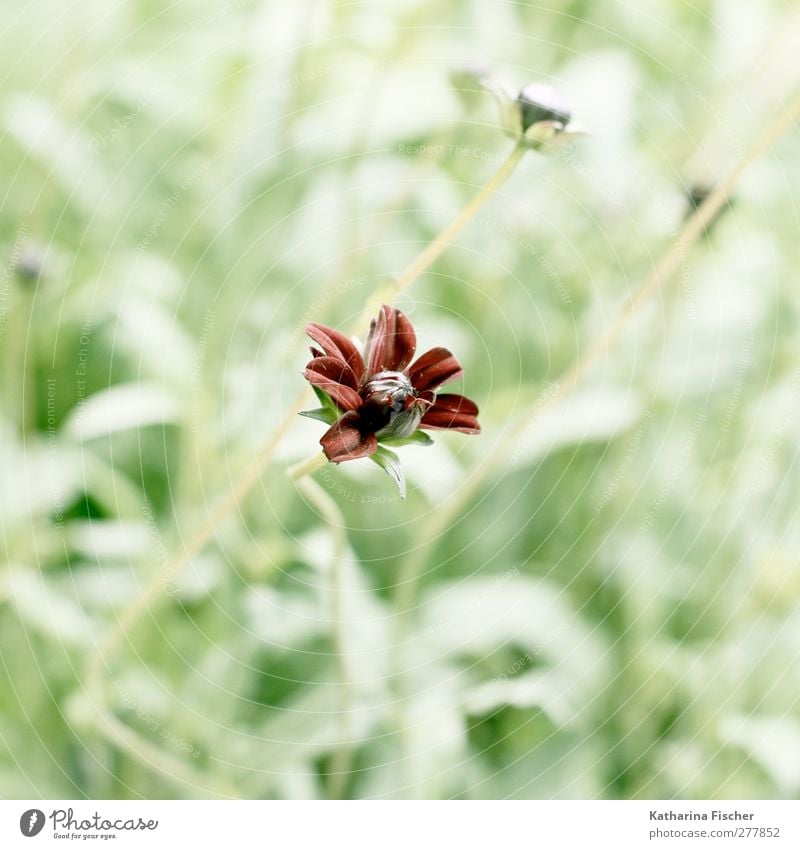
385 396
536 115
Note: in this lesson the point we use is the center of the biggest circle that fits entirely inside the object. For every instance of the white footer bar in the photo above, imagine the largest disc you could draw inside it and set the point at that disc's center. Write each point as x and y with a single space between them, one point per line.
402 825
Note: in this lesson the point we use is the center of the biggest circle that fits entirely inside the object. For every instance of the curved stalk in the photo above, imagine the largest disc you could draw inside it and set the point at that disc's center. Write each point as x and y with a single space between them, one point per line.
152 756
341 761
116 731
243 486
307 467
412 568
154 591
441 242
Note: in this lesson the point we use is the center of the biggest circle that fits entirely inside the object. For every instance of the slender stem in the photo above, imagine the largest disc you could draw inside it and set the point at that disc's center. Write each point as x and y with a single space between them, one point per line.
154 591
412 568
117 731
382 218
341 761
440 243
29 387
20 361
307 467
154 757
340 765
243 486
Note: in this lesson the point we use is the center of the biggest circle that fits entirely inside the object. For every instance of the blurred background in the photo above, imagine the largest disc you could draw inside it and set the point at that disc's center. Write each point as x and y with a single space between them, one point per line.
611 613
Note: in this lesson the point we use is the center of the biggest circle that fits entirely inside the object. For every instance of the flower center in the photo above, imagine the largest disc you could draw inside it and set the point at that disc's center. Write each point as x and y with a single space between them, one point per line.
389 389
390 406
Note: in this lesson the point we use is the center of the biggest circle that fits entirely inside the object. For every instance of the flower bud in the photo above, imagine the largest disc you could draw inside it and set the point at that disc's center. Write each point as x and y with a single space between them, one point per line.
391 405
30 264
536 116
390 389
540 102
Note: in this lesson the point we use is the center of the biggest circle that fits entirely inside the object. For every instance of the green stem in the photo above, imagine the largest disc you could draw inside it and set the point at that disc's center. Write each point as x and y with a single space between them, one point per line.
29 398
432 252
154 591
381 219
413 566
307 467
151 756
440 243
341 762
340 765
20 362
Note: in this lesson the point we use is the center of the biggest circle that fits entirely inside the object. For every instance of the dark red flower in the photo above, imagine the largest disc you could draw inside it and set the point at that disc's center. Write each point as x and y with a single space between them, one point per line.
386 395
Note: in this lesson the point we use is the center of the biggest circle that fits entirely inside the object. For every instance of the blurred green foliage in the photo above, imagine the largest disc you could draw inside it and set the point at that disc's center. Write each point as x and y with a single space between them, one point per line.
615 613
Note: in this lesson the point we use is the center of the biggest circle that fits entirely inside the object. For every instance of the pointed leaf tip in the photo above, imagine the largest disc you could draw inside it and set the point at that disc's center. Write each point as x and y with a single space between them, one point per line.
321 414
390 463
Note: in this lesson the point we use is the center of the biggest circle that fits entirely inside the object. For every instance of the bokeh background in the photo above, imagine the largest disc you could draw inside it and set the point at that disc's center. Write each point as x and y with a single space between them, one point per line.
611 613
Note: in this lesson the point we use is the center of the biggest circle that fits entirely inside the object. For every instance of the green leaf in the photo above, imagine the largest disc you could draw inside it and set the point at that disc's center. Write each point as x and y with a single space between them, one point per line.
321 414
328 412
326 401
419 437
390 463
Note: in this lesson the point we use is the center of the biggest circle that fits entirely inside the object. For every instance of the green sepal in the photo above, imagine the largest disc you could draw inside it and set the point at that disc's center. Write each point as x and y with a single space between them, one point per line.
326 400
328 412
390 463
321 414
419 437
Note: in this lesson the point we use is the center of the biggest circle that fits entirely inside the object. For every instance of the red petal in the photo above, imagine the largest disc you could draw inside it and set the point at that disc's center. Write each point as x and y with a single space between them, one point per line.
391 343
345 441
455 404
336 344
452 412
434 368
333 376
